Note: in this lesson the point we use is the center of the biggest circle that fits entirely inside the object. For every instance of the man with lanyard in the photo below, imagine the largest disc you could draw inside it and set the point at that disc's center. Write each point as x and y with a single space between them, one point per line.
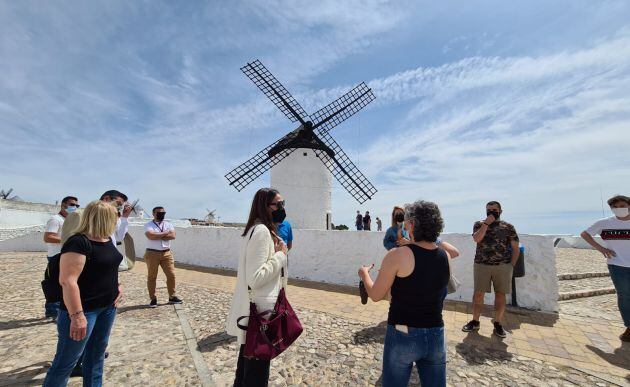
52 237
160 233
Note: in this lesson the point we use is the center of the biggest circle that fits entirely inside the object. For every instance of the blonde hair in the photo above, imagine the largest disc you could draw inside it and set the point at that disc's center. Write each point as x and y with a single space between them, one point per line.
98 220
396 208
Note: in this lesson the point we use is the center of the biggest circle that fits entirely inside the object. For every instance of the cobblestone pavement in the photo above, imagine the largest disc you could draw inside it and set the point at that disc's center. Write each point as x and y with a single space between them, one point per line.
584 284
342 343
604 307
580 261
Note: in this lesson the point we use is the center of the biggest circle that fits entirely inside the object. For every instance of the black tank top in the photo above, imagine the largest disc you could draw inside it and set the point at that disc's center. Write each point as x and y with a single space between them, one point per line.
417 299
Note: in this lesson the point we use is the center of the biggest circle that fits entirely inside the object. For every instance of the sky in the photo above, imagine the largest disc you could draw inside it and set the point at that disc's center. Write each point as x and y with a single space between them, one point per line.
522 102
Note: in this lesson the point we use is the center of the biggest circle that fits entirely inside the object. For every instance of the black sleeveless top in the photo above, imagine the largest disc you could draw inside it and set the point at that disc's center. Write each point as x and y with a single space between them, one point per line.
417 299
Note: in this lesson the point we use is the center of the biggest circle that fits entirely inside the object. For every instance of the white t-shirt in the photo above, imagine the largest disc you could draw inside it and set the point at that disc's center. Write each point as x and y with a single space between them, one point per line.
616 236
54 224
158 227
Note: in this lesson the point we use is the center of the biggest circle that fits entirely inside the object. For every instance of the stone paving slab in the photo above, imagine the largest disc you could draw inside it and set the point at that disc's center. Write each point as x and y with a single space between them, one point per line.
584 284
579 261
342 343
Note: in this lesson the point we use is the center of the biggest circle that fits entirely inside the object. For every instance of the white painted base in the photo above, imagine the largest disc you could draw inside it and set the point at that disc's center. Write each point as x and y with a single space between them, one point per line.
306 185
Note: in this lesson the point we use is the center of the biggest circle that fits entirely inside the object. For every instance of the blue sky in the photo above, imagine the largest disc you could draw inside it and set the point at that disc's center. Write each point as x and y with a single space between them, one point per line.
522 102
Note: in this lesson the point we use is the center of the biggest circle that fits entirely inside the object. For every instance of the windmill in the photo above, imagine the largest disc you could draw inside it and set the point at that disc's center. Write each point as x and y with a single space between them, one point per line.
5 195
304 178
210 216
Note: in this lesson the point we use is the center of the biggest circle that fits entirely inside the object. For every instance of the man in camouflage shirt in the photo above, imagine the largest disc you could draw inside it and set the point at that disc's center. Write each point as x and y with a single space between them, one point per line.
497 253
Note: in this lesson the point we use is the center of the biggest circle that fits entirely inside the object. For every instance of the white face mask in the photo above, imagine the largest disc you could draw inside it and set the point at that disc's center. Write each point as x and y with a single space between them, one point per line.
620 212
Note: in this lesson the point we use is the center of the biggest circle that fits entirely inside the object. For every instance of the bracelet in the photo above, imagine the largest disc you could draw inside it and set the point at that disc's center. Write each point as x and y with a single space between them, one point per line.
75 314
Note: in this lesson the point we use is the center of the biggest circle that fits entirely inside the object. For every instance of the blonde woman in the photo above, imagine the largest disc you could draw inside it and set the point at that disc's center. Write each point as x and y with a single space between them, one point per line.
263 258
88 274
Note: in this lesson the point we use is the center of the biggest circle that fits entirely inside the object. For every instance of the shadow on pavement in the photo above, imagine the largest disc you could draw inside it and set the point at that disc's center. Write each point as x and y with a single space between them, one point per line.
212 342
29 322
375 334
476 349
24 376
620 357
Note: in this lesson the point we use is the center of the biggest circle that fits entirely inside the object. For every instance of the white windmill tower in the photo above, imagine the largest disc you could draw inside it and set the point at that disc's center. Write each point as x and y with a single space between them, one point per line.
304 161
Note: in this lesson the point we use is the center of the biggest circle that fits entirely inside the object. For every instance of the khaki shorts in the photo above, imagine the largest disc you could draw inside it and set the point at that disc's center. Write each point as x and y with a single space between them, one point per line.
499 275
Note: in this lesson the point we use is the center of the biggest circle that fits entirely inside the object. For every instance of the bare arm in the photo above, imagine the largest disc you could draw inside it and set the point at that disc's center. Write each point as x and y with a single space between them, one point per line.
155 236
52 237
481 233
450 249
516 251
591 241
170 235
379 289
70 268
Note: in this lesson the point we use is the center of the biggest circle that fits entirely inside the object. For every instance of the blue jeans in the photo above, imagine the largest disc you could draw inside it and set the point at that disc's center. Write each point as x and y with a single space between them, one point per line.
424 346
100 322
51 308
621 279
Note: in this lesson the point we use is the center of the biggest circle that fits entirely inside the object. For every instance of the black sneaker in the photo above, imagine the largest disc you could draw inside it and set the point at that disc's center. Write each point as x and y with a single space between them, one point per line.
174 300
498 330
363 293
472 325
153 303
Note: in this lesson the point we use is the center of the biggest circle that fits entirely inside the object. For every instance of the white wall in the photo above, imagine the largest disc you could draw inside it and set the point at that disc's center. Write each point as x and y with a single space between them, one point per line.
335 256
577 242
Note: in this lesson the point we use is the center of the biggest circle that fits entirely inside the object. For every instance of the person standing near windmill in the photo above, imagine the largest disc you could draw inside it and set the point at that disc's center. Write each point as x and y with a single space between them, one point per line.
367 221
359 221
262 273
160 233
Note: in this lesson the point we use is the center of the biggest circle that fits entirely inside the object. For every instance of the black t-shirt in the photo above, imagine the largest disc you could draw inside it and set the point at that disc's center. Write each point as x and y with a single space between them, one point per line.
98 282
418 299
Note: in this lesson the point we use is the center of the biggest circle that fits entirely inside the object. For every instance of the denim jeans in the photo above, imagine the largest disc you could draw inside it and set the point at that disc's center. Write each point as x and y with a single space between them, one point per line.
621 279
425 347
51 308
100 322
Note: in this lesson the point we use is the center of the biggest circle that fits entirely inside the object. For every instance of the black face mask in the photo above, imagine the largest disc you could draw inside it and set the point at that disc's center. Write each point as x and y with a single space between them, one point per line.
160 216
399 217
493 213
278 216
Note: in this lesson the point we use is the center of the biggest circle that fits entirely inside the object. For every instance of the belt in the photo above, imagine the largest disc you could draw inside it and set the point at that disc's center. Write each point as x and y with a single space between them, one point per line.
159 251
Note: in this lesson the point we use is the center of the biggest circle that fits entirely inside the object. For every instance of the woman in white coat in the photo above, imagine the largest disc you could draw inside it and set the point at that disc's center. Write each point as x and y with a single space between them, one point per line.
263 257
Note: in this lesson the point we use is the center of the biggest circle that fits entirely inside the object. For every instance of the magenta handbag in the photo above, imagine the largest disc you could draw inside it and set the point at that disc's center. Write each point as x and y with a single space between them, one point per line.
270 332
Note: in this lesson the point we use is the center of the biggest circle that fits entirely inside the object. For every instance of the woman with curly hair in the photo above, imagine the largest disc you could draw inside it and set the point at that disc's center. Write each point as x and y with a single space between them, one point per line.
417 276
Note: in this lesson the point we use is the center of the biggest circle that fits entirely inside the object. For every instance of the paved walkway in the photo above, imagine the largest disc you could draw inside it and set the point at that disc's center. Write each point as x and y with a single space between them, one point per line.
341 345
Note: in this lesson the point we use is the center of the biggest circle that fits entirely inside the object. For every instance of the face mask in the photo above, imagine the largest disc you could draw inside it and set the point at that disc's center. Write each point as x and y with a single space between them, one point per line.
160 216
278 216
399 217
71 209
493 213
620 212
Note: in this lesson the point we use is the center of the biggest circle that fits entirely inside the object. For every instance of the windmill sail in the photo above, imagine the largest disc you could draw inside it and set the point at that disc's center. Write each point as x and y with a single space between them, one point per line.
241 176
342 108
274 90
344 170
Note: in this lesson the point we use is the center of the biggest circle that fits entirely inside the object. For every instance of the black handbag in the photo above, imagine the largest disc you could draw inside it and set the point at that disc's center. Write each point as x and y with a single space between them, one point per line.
50 284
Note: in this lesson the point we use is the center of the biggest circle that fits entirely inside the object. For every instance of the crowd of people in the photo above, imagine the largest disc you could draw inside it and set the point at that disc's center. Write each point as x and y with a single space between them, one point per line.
415 276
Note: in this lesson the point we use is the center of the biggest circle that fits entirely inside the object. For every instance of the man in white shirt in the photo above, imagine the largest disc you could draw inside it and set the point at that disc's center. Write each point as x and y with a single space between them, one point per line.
160 233
615 232
52 237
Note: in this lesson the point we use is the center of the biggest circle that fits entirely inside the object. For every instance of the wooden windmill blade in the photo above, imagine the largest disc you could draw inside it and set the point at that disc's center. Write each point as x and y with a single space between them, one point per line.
241 176
274 90
342 108
344 170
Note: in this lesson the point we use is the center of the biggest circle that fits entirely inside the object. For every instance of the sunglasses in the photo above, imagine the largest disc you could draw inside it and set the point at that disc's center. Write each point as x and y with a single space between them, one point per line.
279 205
75 205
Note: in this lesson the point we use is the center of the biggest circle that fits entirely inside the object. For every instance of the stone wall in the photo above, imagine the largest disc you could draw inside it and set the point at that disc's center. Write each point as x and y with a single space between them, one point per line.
335 256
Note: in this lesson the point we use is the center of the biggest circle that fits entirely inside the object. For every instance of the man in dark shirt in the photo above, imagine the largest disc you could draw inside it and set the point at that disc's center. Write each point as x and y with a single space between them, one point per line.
359 221
496 255
367 221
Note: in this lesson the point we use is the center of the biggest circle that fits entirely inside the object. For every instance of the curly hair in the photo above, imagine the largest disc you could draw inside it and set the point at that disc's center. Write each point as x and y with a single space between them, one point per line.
427 220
